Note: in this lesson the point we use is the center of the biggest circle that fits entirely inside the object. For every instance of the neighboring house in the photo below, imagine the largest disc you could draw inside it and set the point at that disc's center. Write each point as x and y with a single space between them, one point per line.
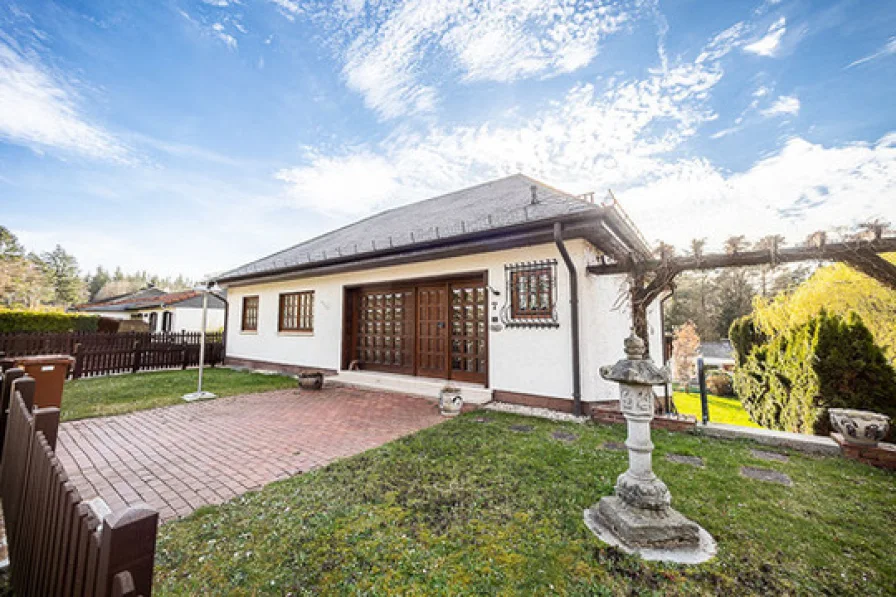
469 287
717 355
163 311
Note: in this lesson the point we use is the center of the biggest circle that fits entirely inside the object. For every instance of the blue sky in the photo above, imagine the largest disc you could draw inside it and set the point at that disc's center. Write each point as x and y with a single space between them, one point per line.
192 136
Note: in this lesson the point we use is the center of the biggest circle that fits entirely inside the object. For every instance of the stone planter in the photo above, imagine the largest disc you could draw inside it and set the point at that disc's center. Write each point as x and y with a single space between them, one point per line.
859 427
311 381
450 401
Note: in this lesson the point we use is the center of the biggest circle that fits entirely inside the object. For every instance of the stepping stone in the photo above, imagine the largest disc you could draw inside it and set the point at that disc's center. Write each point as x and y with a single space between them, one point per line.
482 420
521 428
771 456
682 459
615 446
564 436
764 474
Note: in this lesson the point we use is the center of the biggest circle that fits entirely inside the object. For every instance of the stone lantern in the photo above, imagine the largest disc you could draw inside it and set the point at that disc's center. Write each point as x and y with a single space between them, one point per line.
639 517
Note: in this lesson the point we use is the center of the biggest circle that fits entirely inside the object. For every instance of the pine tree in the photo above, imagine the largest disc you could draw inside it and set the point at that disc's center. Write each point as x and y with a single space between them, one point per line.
62 269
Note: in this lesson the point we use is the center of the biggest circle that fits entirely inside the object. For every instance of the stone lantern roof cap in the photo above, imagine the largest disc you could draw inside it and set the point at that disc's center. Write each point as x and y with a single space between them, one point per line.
635 369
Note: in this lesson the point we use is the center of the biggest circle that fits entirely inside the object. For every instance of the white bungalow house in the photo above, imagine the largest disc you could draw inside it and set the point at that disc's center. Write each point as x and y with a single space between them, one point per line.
474 288
162 311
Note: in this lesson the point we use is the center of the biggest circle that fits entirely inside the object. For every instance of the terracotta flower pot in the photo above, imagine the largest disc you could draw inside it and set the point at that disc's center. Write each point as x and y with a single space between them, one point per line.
859 427
450 401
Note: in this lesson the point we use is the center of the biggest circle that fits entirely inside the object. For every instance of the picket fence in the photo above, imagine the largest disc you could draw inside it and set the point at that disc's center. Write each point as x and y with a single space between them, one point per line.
56 543
100 353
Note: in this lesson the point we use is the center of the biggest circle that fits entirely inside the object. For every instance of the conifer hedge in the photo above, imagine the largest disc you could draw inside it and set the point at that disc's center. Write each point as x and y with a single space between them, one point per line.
788 382
17 320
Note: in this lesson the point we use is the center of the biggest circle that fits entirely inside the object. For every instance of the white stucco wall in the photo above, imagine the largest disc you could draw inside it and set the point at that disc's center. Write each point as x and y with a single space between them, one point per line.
184 319
526 360
190 319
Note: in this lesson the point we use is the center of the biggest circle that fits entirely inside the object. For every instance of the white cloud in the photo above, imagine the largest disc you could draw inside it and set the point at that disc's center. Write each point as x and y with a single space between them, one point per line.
590 137
802 188
889 49
288 8
723 43
625 137
228 39
771 42
785 105
348 184
504 41
725 132
37 111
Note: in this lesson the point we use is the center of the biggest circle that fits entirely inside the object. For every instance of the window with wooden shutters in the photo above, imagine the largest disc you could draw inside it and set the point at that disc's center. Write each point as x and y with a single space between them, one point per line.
297 312
250 314
531 294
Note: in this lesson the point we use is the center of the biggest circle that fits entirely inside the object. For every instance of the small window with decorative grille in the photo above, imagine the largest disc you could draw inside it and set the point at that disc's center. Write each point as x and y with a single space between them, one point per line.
531 294
250 314
296 312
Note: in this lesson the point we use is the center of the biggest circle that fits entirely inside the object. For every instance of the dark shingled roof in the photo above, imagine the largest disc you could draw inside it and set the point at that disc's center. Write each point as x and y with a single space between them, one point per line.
491 206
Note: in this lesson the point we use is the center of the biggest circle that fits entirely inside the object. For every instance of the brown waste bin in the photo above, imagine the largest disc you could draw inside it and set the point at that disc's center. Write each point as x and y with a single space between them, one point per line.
49 373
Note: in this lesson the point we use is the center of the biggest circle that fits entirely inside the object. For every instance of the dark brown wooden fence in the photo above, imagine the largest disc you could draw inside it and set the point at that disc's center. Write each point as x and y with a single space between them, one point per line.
98 353
57 545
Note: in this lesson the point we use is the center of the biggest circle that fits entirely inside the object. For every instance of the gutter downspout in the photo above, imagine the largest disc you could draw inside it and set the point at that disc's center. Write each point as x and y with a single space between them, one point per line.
574 318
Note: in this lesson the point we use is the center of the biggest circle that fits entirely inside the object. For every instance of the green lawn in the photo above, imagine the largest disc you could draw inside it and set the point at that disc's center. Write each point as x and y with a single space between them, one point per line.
478 508
721 410
114 395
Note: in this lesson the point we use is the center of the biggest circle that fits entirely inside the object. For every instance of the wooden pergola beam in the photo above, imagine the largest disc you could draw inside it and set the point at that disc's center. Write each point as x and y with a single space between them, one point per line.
846 251
649 278
873 265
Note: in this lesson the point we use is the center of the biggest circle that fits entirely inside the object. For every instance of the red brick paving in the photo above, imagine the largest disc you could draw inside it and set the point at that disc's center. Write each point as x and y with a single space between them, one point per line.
179 458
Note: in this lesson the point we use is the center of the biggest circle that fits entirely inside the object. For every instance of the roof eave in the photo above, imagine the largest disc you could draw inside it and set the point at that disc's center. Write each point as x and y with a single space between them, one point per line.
583 225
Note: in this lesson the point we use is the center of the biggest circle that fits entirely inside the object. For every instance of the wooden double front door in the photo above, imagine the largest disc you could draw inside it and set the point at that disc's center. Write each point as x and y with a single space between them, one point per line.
431 329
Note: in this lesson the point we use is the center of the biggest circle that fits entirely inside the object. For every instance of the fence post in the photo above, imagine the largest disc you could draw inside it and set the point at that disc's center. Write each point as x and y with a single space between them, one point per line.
137 355
46 420
128 544
9 376
704 402
78 353
25 386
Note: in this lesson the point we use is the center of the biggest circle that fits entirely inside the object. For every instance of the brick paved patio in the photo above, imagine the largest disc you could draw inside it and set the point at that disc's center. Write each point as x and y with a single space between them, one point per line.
182 457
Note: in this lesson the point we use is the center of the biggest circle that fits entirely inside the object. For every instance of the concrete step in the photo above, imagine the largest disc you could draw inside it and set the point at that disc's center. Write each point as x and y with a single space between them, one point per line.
408 384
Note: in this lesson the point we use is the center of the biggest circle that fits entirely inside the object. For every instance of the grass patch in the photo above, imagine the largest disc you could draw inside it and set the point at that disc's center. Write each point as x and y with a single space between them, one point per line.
476 508
118 394
721 409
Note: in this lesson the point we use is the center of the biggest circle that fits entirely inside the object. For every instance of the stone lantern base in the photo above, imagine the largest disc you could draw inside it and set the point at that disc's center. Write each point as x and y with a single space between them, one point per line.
660 535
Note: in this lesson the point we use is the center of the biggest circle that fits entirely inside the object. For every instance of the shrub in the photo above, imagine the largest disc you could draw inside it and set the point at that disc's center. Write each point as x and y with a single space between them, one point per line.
45 321
719 383
790 381
744 335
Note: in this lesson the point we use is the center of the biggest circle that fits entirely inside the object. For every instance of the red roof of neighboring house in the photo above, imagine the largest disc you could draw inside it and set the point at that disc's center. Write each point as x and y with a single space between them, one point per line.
136 301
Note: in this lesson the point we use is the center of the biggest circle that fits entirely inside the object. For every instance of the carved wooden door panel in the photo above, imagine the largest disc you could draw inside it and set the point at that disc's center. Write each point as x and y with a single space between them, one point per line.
432 331
469 334
384 338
